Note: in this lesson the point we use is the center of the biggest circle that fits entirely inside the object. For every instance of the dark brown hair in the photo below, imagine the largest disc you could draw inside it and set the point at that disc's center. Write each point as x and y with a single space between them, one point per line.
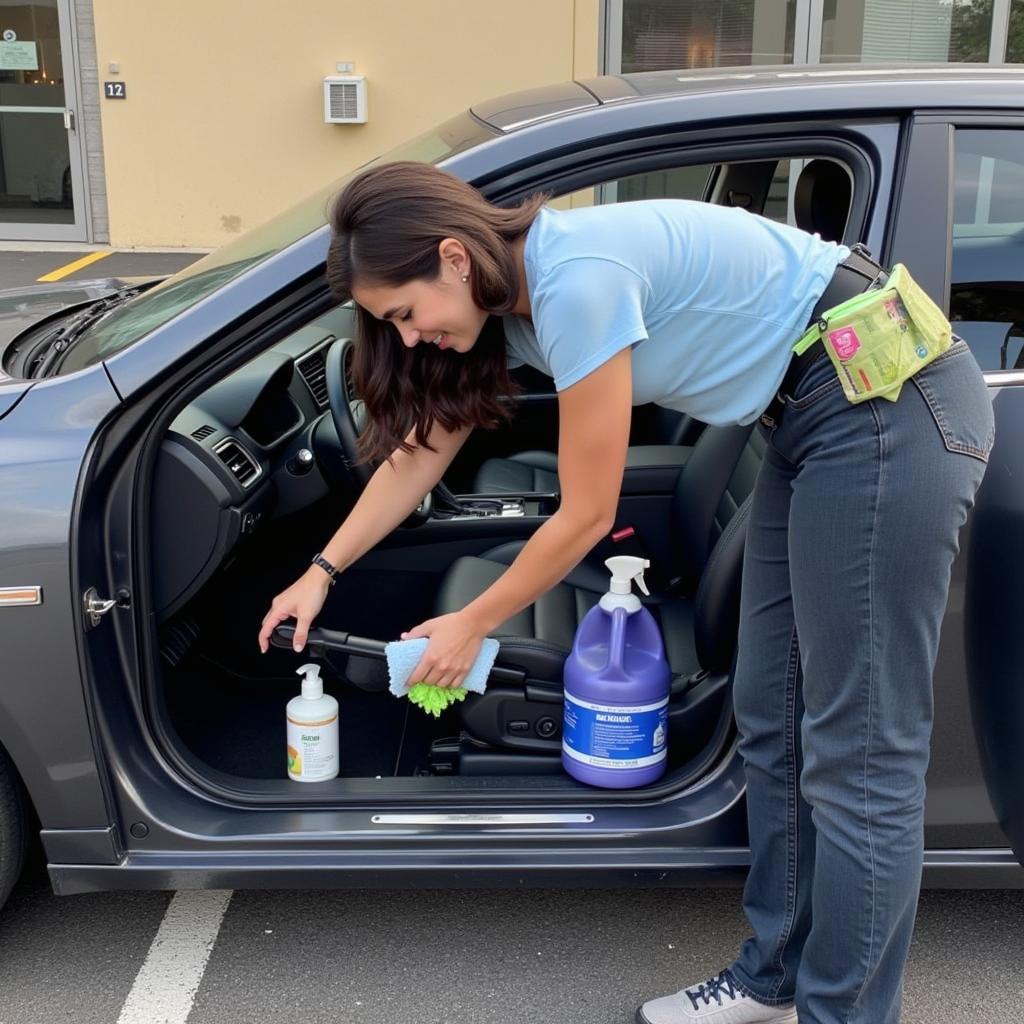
387 225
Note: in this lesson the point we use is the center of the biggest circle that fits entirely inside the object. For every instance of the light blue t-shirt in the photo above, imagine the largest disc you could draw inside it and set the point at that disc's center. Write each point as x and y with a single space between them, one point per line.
711 298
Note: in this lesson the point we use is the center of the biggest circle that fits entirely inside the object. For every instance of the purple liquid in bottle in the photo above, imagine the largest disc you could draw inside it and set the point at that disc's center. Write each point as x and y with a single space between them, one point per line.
617 684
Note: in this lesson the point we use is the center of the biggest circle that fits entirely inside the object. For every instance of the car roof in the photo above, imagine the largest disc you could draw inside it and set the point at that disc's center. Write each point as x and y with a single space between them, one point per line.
868 86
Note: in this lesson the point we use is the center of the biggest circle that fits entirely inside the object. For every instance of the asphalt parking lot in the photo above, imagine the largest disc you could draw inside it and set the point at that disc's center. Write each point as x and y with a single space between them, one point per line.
438 956
20 268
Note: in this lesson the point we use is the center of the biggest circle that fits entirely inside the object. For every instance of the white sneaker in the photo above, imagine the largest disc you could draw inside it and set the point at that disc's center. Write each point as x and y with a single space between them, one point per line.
716 1001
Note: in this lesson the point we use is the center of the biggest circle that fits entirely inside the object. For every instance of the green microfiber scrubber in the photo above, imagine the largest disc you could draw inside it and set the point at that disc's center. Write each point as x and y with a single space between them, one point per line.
403 658
435 699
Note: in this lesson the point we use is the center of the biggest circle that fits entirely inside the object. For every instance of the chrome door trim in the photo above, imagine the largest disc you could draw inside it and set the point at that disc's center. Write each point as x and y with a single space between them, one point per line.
471 818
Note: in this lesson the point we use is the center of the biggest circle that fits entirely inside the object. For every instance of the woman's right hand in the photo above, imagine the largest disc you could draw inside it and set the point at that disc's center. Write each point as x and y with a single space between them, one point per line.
302 601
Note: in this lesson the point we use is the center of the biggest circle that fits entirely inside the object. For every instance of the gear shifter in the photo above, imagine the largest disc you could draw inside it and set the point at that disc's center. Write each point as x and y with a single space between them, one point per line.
445 501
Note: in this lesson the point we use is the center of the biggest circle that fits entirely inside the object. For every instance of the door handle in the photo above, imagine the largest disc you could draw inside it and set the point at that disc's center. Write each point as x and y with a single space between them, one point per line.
69 119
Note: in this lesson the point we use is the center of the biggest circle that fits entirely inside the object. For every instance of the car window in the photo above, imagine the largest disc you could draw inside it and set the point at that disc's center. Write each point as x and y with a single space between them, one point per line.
813 193
986 301
126 324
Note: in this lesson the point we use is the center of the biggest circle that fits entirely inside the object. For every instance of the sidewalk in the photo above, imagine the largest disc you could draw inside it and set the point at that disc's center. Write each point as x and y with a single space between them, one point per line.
24 264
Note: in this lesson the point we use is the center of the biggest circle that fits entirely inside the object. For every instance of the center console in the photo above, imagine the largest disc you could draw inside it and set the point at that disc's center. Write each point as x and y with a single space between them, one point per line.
492 506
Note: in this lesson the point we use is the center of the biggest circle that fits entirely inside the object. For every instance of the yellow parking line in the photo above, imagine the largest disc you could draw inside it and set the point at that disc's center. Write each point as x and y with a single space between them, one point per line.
70 268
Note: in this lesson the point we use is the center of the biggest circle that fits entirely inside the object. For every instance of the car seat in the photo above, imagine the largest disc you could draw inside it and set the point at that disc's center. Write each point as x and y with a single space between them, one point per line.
821 200
698 615
537 471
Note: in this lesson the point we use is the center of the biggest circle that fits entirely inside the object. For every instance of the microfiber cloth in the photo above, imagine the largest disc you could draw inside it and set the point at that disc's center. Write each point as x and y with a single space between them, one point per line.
404 655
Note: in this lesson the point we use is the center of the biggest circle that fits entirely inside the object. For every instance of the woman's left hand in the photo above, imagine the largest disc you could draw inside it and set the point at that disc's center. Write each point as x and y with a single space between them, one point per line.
454 645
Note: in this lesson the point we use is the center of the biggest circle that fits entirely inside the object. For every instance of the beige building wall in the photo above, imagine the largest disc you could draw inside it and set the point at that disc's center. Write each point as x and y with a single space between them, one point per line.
223 123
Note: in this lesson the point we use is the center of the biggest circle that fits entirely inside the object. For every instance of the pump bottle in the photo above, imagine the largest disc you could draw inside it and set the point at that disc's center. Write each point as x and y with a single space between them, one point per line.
312 730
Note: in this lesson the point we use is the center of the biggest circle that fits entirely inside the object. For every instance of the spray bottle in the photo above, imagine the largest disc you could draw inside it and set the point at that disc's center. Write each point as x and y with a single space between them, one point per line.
617 683
312 730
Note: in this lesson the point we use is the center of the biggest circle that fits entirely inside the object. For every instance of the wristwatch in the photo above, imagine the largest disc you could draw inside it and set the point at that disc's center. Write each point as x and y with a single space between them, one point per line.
331 571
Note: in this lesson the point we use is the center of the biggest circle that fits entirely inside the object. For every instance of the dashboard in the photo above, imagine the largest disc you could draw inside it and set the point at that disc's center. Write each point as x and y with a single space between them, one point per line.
235 457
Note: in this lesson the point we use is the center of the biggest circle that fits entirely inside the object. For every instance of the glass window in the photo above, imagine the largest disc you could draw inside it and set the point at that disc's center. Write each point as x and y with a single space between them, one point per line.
986 302
810 193
902 30
136 318
667 34
35 158
1015 37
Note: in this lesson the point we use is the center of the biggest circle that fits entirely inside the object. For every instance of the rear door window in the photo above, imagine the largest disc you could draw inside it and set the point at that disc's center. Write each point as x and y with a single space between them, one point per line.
814 193
986 302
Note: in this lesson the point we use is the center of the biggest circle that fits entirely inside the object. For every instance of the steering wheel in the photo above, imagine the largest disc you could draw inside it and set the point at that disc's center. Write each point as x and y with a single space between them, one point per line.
349 415
347 411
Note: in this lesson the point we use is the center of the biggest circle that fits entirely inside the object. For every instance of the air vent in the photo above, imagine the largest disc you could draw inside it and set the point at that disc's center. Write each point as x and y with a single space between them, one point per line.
243 466
314 372
203 432
345 99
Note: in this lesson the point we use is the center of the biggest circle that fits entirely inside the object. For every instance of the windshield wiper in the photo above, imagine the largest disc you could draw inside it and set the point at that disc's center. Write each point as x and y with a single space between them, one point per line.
74 327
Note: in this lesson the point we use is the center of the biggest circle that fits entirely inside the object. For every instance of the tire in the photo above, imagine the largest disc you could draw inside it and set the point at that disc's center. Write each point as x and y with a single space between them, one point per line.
12 827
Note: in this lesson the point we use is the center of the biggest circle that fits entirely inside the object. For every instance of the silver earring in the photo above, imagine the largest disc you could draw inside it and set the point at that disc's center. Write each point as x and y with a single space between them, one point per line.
465 277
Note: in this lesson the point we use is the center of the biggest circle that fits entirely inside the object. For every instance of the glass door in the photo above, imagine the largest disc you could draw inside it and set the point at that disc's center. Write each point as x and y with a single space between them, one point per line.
40 154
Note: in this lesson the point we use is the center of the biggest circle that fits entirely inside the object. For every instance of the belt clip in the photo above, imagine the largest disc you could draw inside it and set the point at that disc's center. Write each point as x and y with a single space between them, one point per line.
865 253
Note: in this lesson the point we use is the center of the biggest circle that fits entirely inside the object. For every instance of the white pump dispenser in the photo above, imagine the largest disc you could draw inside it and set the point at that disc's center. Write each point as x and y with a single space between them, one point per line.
312 730
312 684
624 569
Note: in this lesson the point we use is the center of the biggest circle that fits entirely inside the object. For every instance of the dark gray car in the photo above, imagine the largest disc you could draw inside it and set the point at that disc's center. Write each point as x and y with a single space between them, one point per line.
173 451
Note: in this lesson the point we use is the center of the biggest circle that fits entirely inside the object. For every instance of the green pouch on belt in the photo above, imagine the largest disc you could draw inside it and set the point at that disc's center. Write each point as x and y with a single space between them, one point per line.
882 337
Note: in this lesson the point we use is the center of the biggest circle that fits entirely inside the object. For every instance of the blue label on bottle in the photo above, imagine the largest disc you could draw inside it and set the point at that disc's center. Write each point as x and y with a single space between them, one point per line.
612 736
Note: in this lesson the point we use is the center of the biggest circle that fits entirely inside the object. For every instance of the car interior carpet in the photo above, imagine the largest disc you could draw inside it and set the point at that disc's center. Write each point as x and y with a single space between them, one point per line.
376 605
238 726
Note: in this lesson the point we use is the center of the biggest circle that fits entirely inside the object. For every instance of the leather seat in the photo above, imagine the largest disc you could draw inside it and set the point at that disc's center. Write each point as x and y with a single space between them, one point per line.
537 470
698 617
519 474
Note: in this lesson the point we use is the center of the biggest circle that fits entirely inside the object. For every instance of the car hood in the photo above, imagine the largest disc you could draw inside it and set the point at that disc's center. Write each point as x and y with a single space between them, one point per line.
20 308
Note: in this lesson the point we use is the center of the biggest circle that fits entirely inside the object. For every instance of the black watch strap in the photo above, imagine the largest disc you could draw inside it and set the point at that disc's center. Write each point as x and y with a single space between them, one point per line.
326 566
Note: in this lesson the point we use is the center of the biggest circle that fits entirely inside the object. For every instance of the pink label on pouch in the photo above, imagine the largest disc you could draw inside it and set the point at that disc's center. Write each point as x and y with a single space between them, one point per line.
844 341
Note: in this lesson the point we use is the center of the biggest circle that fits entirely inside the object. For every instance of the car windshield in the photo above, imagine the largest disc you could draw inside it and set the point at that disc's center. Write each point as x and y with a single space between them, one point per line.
136 318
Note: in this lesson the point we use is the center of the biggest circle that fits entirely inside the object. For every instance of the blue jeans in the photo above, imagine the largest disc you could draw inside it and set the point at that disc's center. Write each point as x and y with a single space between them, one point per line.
853 529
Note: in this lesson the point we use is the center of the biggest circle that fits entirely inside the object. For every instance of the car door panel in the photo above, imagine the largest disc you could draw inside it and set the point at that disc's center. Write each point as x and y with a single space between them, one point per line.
44 721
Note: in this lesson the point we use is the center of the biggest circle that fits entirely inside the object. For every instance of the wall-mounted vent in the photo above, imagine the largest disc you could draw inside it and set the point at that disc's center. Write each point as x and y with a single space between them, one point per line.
203 432
313 369
345 99
243 466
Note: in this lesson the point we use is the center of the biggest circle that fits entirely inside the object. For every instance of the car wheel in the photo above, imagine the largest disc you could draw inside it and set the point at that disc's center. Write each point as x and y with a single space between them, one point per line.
12 827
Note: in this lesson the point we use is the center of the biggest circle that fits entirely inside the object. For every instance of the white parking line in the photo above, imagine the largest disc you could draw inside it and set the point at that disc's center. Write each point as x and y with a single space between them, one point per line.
167 982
